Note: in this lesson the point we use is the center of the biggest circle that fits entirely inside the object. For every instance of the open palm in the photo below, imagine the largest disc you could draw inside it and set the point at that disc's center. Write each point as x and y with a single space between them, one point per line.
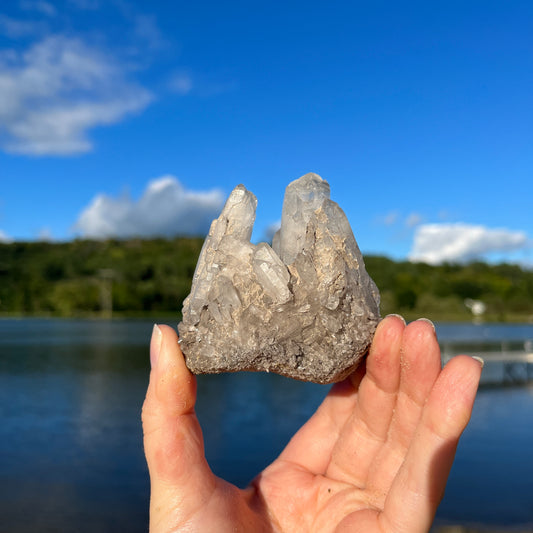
374 457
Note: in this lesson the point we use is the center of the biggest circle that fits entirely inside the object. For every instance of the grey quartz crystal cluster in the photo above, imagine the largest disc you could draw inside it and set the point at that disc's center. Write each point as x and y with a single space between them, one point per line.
304 308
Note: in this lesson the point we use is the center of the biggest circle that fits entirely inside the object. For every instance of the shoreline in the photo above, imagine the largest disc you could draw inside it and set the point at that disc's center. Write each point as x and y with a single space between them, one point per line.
479 529
176 315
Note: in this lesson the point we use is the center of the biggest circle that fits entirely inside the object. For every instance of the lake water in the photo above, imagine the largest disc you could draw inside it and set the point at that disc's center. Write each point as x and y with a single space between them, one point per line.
71 454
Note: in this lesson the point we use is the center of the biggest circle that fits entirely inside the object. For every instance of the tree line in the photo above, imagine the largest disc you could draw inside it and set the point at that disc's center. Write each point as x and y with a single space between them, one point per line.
153 276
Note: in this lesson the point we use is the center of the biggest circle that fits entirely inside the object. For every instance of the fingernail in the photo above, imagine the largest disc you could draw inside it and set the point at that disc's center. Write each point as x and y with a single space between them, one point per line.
479 360
428 321
397 316
155 345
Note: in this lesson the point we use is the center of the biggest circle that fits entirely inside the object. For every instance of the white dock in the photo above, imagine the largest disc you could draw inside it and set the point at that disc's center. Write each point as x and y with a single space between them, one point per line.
505 367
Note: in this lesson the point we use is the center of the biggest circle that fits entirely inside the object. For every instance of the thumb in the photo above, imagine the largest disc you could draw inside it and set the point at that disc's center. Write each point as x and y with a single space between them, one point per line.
173 442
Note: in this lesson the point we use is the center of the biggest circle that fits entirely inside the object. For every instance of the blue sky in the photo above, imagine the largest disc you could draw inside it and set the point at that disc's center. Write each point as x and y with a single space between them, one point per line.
122 118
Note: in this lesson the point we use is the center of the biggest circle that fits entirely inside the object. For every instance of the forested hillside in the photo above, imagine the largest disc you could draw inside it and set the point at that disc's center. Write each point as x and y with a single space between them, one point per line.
87 277
143 277
439 292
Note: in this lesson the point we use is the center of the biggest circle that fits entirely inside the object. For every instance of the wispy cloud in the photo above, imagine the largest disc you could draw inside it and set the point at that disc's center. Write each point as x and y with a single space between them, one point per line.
413 220
395 218
181 83
184 82
60 78
39 6
271 229
85 4
389 219
54 92
146 29
17 28
4 237
45 234
166 208
438 243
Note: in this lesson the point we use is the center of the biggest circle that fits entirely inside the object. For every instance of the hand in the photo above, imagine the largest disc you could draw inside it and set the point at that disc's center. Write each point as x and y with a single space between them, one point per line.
375 456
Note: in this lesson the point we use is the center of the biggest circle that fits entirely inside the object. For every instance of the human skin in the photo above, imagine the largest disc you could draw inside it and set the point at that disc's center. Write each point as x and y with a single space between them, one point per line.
375 457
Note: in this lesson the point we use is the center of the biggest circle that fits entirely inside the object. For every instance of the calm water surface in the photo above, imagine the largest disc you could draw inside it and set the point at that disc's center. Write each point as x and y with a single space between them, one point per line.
71 454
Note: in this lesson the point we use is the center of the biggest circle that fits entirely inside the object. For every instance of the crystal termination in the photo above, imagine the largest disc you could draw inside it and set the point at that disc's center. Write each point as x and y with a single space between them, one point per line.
304 308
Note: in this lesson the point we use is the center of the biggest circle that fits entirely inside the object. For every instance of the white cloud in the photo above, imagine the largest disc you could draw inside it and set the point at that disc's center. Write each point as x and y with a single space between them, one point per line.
45 8
394 218
14 28
438 243
85 4
390 219
181 83
4 237
414 219
45 235
52 94
166 208
147 30
271 229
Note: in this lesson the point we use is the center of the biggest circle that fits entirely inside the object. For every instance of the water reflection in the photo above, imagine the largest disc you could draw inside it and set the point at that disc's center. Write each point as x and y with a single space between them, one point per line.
70 439
248 419
492 477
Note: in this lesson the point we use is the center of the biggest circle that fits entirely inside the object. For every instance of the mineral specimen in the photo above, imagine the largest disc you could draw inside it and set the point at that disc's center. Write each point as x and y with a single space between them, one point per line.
304 308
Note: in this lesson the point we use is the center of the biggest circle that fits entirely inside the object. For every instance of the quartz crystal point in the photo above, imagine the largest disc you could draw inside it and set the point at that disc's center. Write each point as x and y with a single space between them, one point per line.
304 308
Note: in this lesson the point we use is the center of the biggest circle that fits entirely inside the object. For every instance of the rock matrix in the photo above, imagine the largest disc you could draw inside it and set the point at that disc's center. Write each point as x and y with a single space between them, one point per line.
304 307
